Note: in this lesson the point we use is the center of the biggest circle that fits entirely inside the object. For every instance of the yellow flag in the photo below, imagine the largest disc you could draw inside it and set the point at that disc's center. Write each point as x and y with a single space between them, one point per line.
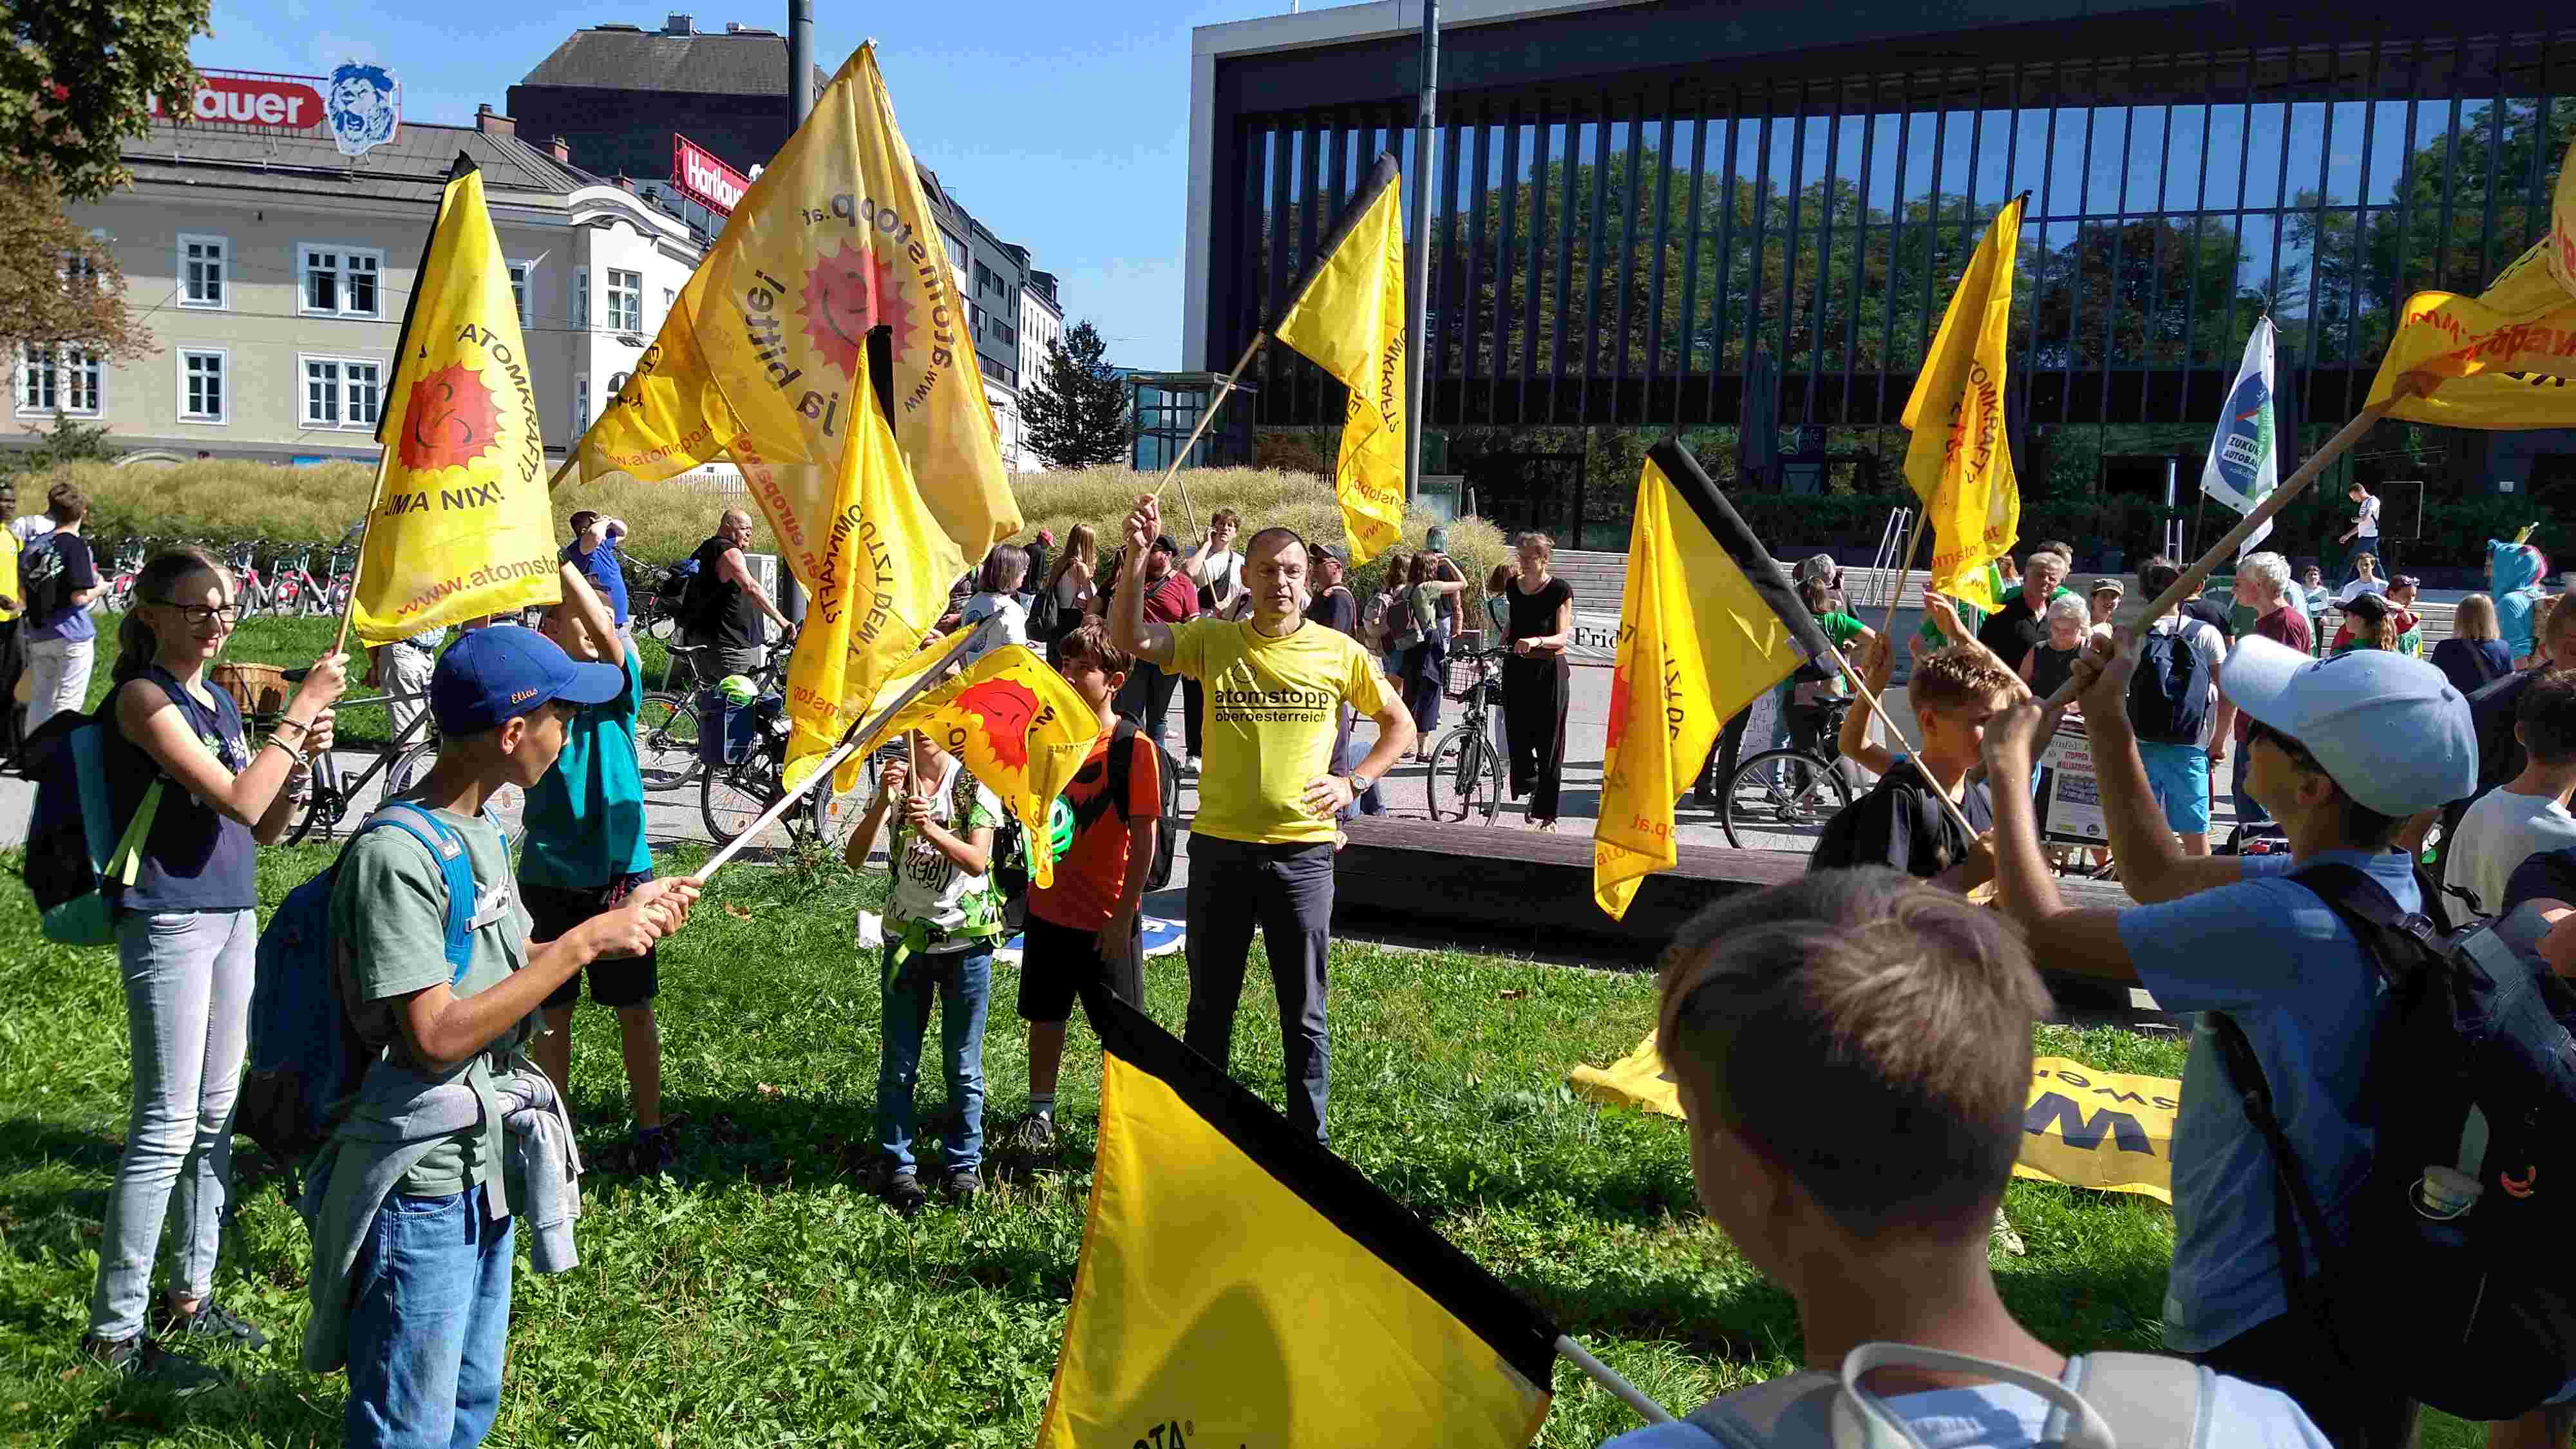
2503 359
459 527
881 571
1958 460
2562 224
1348 316
1240 1285
1707 624
1021 729
761 356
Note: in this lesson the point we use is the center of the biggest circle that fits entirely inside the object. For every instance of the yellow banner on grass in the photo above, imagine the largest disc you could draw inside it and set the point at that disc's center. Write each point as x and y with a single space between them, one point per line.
1707 624
1020 728
761 358
1349 318
459 527
2106 1130
1241 1285
1959 460
882 569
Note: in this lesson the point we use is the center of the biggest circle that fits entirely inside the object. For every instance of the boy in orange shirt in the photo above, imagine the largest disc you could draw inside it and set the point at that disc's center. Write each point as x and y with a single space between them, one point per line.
1084 926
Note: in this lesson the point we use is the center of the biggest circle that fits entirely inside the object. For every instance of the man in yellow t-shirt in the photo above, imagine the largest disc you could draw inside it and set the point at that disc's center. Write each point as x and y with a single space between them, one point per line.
1261 847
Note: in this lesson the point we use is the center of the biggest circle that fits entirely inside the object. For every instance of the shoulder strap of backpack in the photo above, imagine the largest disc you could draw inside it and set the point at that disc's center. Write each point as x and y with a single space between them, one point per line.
2150 1401
1122 764
455 867
2397 942
2295 1214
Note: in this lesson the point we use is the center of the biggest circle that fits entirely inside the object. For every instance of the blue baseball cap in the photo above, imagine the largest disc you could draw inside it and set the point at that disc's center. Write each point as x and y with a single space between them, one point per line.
2390 730
491 675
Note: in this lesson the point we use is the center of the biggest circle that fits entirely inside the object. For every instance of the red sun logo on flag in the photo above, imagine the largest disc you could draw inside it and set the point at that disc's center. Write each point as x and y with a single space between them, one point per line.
1006 707
846 294
449 421
1618 705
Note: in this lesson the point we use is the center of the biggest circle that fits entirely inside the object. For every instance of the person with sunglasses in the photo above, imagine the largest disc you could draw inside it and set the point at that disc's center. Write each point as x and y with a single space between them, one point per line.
186 928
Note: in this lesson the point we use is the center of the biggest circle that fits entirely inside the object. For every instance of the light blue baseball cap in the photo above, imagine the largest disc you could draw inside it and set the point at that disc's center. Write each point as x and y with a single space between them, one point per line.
2390 730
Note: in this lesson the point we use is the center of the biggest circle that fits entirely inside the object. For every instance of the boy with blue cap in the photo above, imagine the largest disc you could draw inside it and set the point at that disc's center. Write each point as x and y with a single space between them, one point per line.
2342 753
411 1205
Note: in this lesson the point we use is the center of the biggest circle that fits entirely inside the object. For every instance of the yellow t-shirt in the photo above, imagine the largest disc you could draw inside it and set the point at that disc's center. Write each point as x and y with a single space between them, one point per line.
1273 707
9 547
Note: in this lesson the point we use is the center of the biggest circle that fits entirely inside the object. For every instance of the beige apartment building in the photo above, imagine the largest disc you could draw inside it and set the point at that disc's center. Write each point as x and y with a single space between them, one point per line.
272 272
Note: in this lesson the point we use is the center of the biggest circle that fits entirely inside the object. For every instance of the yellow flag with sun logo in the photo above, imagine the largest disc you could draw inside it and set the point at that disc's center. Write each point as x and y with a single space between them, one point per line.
1021 729
1959 460
1707 624
459 528
762 357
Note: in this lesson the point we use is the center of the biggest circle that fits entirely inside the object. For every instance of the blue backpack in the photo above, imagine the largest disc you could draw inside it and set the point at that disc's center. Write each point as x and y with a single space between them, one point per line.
306 1056
72 852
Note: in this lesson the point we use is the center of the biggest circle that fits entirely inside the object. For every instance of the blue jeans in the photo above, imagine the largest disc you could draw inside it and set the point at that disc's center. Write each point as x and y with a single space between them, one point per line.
963 980
429 1321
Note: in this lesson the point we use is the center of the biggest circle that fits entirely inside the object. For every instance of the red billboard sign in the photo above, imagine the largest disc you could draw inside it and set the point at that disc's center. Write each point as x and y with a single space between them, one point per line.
292 103
699 176
358 106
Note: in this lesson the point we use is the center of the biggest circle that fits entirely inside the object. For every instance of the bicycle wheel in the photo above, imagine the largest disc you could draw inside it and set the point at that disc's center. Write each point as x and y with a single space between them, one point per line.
735 795
1777 799
321 802
829 818
666 740
1466 776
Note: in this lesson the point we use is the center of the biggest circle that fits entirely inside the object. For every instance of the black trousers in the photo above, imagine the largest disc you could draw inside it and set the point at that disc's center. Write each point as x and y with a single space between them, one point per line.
2290 1353
13 662
1288 891
1193 714
1535 695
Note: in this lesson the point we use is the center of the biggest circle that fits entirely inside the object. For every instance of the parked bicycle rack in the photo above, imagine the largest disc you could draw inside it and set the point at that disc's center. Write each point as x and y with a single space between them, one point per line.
1887 568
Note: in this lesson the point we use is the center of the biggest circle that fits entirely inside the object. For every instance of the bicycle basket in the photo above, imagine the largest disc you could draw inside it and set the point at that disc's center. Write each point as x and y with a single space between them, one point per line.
1463 675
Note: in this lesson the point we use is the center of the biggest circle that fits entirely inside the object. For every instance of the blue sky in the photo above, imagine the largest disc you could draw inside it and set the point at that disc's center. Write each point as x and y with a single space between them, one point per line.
1064 126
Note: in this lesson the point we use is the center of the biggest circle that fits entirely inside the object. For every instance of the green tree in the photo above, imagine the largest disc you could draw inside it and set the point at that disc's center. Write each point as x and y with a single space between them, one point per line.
78 78
1077 408
59 285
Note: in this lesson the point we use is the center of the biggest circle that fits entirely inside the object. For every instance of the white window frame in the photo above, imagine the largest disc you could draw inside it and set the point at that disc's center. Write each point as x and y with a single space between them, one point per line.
580 404
629 317
347 420
222 415
61 367
581 299
523 288
342 270
222 247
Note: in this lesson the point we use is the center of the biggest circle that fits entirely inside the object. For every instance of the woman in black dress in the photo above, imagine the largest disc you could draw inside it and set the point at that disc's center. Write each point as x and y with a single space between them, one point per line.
1536 681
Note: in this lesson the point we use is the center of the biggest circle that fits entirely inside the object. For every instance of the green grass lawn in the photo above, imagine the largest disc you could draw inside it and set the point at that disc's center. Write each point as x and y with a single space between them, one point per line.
756 1298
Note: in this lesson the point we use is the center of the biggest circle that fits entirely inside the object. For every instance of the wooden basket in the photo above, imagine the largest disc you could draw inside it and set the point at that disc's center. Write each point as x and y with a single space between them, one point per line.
257 688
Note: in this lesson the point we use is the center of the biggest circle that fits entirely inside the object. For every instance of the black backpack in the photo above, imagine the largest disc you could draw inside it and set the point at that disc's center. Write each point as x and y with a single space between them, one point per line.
1046 617
2169 695
2454 1282
1122 772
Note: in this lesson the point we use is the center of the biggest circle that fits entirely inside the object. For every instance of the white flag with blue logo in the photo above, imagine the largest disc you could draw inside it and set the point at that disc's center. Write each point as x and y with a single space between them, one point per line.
2244 466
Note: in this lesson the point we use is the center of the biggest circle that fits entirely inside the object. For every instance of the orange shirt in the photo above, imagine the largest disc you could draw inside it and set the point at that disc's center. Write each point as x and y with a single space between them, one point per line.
1089 876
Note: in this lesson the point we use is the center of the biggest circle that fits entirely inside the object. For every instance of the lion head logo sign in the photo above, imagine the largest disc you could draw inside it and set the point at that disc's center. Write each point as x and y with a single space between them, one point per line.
848 291
451 420
363 105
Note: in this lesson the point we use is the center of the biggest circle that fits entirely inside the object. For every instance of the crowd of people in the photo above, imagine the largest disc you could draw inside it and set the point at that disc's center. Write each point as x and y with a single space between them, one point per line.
1906 1008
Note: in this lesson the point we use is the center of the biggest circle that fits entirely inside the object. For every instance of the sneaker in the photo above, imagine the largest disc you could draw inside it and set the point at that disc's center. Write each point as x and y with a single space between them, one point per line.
903 1192
144 1360
214 1321
1036 1133
2002 1239
960 1184
652 1153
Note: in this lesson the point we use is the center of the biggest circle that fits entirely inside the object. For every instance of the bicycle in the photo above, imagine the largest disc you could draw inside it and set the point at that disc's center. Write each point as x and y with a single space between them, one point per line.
295 591
118 596
1466 769
404 761
1787 790
250 586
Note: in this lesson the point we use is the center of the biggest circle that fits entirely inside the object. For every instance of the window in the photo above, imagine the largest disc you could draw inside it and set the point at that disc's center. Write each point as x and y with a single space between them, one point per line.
59 380
625 301
670 299
341 392
519 272
204 271
581 403
581 300
341 281
956 251
201 385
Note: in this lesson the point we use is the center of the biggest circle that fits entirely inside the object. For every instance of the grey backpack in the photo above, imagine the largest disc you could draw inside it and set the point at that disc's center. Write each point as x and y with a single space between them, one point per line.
2105 1401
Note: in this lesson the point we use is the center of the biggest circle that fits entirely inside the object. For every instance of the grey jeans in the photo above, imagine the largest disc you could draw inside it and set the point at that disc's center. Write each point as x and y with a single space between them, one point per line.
187 1011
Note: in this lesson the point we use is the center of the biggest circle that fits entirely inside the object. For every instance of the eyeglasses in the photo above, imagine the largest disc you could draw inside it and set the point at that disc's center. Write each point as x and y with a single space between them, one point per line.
197 614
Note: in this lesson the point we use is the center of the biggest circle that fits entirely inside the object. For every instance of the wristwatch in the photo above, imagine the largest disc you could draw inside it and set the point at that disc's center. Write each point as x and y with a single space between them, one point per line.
1360 784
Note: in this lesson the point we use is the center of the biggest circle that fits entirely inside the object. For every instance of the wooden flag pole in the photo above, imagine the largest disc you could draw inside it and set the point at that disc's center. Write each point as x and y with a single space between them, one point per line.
561 473
2291 487
1224 391
1610 1378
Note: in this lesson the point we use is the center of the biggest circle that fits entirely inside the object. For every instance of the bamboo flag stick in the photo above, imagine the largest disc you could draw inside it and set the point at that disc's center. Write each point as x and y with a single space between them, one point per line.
1609 1378
1224 391
850 741
2198 574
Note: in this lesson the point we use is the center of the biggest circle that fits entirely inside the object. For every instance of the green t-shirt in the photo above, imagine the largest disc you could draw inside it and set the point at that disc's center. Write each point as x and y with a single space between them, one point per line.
389 911
585 818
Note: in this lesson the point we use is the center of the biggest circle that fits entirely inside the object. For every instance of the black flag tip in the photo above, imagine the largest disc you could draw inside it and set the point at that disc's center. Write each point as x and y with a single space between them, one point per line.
464 167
